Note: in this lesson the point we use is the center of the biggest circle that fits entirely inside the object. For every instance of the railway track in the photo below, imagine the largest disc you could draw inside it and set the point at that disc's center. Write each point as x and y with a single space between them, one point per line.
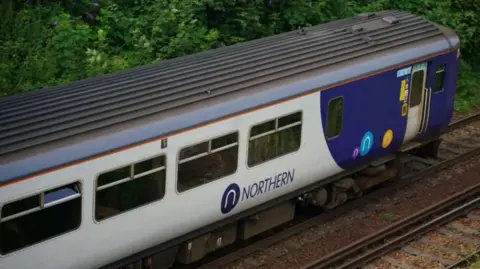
452 151
436 217
467 261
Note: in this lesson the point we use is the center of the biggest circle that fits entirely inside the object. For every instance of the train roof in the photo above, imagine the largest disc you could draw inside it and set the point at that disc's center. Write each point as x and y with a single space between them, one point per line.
57 126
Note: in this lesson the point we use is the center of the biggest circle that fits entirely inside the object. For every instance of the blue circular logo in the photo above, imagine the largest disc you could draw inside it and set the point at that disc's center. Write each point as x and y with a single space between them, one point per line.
366 144
230 198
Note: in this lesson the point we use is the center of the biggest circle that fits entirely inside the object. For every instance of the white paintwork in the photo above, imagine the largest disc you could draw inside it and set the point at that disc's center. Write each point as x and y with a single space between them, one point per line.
96 244
415 113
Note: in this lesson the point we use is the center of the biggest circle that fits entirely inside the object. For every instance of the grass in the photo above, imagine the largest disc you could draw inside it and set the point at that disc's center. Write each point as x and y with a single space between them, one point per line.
388 217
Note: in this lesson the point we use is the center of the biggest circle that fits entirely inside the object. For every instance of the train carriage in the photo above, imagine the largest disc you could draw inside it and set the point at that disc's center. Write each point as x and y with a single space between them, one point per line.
170 161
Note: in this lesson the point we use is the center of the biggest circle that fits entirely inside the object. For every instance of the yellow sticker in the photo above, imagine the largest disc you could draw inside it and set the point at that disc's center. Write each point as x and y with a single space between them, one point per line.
387 138
402 89
404 109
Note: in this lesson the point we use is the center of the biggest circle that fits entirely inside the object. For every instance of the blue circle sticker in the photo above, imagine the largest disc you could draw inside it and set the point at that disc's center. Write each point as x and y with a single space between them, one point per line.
230 198
366 144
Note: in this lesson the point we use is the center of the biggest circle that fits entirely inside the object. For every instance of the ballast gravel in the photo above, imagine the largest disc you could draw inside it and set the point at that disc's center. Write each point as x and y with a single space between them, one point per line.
418 261
430 249
450 242
475 225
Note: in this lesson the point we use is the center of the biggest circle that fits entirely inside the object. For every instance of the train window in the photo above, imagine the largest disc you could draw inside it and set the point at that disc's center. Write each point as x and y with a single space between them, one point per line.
207 161
274 138
417 88
39 217
130 187
439 78
263 128
334 117
21 205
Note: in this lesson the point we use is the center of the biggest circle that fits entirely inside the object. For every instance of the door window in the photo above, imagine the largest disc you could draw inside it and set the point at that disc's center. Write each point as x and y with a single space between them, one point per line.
417 88
334 117
439 78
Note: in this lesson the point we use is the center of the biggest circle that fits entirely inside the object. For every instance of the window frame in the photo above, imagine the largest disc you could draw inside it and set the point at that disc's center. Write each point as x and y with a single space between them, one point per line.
343 114
124 180
42 206
191 158
276 130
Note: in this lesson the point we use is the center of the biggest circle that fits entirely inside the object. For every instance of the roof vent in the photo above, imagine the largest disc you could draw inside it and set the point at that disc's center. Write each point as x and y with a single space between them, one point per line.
340 30
357 28
302 31
390 19
369 40
366 15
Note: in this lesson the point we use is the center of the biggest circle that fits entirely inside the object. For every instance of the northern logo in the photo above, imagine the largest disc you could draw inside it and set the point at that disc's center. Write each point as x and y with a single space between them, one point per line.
233 194
230 198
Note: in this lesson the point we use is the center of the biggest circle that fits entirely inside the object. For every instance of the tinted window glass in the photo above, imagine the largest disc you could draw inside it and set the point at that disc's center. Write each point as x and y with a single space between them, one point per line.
130 187
20 206
194 150
417 88
285 138
439 78
290 119
219 158
29 221
112 176
334 117
262 128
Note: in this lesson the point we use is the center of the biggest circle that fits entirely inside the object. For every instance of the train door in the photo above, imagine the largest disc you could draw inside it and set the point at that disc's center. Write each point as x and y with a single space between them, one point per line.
427 100
418 102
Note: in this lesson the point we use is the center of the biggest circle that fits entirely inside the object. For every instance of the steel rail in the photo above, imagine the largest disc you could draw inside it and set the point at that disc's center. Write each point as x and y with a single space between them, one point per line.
465 261
462 122
342 258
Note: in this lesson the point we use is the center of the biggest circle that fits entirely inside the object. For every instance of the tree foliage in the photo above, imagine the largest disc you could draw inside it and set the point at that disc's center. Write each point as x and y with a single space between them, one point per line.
46 43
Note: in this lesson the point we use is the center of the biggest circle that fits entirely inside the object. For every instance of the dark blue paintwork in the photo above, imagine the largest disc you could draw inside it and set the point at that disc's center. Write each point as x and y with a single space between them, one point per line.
116 141
373 104
442 104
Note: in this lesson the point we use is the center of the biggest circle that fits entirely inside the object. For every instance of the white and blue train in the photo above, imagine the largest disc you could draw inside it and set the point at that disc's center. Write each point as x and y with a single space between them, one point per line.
171 161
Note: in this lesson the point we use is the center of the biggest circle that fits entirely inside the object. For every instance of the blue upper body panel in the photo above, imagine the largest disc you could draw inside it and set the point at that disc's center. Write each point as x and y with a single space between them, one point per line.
372 106
366 90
